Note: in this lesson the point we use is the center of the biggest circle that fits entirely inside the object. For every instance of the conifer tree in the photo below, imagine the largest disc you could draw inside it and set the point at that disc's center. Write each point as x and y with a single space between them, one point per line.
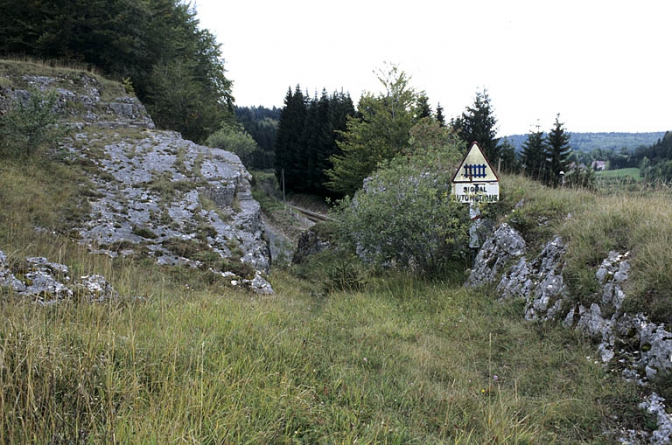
508 156
423 109
533 156
440 118
479 124
289 144
340 109
559 151
318 137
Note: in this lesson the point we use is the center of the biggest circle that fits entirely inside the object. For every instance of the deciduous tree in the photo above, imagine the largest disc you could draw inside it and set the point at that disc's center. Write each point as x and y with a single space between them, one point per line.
379 132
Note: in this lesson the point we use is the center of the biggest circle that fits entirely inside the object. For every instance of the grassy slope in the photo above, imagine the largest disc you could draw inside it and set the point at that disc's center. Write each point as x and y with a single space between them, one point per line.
406 361
636 222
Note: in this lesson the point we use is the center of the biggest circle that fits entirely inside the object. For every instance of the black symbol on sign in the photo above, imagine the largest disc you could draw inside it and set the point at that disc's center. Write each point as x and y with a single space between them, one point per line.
474 171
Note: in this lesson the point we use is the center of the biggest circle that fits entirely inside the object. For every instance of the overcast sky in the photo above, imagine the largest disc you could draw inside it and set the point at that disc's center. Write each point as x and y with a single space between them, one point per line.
603 65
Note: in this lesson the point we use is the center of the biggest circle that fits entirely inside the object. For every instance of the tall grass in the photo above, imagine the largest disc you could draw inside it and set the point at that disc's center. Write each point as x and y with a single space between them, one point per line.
637 224
405 362
592 225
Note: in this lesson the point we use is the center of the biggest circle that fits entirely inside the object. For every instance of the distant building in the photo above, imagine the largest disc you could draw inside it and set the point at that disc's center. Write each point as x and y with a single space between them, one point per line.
599 165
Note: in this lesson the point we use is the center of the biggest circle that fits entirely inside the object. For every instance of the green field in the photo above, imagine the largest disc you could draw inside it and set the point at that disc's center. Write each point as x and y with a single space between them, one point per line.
621 173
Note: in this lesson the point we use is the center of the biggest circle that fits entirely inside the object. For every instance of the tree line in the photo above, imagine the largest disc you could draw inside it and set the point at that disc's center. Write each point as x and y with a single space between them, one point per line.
309 133
262 125
655 162
155 46
331 154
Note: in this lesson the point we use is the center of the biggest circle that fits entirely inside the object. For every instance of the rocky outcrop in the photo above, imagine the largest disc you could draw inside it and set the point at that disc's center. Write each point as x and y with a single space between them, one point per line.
82 100
646 346
642 350
504 245
540 282
47 283
153 193
310 243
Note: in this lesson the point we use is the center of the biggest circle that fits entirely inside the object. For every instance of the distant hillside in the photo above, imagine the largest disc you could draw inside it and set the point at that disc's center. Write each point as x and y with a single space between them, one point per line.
608 141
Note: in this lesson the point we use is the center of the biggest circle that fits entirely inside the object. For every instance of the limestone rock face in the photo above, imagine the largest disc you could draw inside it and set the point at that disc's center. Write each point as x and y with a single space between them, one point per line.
504 245
539 282
158 188
47 283
154 193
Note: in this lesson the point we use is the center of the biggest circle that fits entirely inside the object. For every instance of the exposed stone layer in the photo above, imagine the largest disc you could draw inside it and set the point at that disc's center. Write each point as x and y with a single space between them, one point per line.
154 193
632 343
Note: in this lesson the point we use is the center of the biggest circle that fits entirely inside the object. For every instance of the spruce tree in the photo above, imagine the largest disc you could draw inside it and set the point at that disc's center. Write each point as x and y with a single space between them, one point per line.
318 135
533 156
508 156
440 118
479 124
559 151
289 145
423 109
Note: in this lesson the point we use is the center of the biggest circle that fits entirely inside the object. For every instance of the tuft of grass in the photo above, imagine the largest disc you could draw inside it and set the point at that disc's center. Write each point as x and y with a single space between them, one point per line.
168 188
144 232
39 193
541 211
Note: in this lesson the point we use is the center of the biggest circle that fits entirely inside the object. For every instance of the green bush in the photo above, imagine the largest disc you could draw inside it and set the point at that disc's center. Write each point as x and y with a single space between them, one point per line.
235 141
405 216
333 270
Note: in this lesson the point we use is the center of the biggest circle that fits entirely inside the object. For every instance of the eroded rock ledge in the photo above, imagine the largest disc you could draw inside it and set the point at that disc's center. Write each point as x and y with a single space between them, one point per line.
153 193
640 349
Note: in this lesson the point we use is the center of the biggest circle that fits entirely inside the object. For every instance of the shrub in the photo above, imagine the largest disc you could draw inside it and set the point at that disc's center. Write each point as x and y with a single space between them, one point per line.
235 141
29 124
581 178
405 216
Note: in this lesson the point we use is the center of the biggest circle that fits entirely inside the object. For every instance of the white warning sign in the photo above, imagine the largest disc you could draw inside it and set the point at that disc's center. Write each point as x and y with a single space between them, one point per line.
475 180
